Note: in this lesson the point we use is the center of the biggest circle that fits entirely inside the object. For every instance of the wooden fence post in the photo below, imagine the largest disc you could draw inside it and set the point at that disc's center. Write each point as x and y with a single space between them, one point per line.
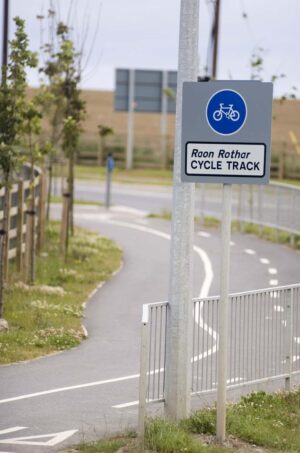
20 226
30 219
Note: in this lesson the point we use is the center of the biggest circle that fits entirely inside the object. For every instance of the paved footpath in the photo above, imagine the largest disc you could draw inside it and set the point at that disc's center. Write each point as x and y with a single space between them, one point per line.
62 399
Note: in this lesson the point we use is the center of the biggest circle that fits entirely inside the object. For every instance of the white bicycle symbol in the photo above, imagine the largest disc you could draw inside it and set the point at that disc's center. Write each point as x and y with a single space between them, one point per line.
228 112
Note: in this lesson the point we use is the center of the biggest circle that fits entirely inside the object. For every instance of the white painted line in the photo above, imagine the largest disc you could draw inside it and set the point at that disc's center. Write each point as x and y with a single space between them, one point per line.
128 210
250 251
297 340
66 389
264 261
121 406
204 234
12 430
272 270
278 308
55 438
273 282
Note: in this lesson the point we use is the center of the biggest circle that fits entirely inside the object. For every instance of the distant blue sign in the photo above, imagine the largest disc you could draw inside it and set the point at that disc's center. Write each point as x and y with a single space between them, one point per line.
226 112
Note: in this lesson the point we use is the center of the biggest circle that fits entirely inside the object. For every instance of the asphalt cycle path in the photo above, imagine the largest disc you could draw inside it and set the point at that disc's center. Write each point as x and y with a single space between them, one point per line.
84 393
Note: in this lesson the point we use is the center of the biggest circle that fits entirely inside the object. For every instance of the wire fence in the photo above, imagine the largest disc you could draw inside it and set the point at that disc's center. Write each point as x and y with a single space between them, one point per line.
264 340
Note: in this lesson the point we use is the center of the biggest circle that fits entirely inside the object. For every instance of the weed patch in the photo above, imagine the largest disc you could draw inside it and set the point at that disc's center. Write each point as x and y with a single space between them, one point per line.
46 317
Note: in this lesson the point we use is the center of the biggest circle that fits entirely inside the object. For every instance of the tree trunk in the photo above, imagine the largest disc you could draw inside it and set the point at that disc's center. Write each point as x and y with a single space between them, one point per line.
71 193
32 226
50 169
4 242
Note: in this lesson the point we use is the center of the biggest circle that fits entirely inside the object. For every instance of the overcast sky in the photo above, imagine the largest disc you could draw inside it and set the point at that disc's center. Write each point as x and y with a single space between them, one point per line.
144 34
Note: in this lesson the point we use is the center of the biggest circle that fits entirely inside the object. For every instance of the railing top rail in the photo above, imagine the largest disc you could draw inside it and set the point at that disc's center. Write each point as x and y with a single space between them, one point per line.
255 291
146 310
285 186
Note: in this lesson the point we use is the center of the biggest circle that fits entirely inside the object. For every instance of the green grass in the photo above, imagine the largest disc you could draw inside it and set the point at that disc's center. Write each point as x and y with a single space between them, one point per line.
170 437
103 446
268 420
135 176
47 317
57 199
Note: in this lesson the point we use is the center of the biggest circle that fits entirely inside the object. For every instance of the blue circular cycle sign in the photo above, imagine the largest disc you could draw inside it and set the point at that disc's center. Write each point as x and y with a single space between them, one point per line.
226 112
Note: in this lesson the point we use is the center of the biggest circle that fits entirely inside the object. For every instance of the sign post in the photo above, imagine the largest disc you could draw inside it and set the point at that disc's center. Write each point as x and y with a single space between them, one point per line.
226 131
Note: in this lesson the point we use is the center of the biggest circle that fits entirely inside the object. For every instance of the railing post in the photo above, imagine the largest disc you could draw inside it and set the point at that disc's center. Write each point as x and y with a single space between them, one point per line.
289 341
143 377
20 226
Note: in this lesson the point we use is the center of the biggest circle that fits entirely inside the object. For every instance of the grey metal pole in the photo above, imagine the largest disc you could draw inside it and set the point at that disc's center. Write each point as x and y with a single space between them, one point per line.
164 119
108 187
223 313
5 32
130 124
179 327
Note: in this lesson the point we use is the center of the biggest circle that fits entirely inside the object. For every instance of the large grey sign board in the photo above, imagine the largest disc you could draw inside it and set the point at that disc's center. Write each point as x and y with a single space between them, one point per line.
226 132
148 90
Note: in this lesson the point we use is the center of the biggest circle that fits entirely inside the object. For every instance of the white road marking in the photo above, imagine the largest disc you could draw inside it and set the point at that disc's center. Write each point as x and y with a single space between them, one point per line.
264 261
272 270
128 210
204 234
273 282
250 251
279 308
12 430
65 389
121 406
55 438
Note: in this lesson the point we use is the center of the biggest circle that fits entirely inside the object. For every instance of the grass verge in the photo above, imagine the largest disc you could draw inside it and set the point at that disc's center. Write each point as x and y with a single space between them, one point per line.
57 199
135 176
46 317
268 421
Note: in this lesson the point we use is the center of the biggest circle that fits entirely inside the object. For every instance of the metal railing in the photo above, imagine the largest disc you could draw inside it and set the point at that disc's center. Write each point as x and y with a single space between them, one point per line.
274 205
264 340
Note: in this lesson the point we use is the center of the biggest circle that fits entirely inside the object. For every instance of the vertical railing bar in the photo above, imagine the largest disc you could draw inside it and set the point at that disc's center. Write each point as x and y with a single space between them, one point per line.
159 356
258 323
207 341
217 301
166 321
203 348
211 345
198 343
193 349
150 353
154 355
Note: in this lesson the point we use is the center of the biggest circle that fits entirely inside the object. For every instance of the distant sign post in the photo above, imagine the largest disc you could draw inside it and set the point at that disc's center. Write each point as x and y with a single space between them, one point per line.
226 134
140 90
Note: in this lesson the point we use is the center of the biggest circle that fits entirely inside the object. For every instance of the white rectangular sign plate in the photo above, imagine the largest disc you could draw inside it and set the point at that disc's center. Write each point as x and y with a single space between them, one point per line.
225 159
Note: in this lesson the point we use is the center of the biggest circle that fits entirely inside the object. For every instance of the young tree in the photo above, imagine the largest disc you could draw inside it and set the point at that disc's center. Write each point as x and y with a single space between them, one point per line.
103 131
12 107
31 130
